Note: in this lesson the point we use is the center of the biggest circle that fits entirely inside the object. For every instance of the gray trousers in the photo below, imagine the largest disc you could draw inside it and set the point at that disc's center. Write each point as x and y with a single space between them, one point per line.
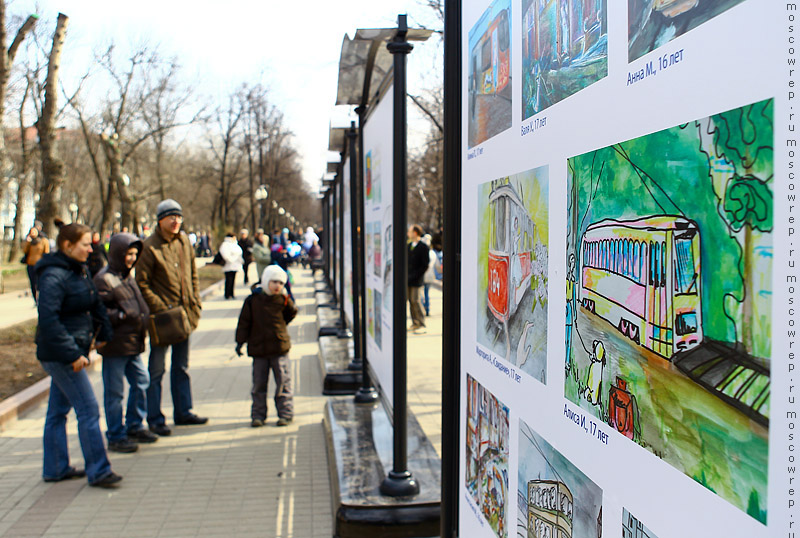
415 302
279 364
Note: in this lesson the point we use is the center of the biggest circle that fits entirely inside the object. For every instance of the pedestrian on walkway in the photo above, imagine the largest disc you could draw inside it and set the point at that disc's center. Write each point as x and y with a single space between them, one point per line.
34 248
262 326
261 252
121 360
98 258
418 261
71 319
430 275
231 254
167 277
246 244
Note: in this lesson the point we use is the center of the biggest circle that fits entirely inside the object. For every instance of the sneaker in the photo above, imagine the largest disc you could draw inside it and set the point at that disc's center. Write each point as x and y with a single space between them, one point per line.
190 420
142 436
111 480
160 429
420 330
256 423
125 446
283 421
414 327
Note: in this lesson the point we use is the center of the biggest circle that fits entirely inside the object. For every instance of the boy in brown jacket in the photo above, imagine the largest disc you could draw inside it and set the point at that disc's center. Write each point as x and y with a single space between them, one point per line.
262 325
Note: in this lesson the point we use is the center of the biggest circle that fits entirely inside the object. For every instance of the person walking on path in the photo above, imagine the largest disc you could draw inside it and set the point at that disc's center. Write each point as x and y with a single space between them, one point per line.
121 360
261 252
418 261
167 277
231 254
262 326
246 244
34 248
430 275
97 259
71 319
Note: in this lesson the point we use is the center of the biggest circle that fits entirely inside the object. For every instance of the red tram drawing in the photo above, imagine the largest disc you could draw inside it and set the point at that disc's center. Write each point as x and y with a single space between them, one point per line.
510 253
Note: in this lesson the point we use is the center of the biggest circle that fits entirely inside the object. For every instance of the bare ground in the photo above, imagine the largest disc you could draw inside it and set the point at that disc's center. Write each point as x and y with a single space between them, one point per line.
19 367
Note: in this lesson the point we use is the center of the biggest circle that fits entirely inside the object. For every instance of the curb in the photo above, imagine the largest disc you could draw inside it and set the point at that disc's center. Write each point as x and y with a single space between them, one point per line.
15 406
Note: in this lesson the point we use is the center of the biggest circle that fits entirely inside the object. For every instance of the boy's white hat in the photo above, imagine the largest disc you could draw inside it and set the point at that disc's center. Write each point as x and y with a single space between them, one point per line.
272 272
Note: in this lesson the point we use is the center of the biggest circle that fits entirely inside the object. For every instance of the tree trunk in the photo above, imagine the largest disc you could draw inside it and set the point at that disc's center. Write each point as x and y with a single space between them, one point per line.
52 167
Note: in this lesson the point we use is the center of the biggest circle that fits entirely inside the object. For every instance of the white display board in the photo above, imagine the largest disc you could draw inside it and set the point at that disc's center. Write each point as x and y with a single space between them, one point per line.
348 245
625 369
377 133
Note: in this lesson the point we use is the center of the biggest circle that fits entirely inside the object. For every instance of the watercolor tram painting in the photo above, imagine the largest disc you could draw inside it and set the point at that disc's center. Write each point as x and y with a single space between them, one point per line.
669 296
512 269
487 455
489 83
564 50
554 498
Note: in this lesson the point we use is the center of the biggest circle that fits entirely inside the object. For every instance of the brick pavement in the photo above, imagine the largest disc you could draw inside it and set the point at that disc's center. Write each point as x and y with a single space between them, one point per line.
221 479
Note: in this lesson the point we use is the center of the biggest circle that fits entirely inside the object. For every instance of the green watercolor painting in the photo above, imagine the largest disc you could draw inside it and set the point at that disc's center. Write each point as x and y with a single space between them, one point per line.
669 296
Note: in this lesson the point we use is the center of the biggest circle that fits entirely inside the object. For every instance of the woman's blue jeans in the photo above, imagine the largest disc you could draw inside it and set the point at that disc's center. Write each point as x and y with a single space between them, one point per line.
69 390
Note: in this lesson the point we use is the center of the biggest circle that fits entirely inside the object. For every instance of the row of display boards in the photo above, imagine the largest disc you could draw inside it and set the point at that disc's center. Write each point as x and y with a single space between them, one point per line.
622 176
621 369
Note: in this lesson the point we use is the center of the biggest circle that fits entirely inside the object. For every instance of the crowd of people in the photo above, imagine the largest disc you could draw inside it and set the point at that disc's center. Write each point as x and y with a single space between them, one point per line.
89 297
113 298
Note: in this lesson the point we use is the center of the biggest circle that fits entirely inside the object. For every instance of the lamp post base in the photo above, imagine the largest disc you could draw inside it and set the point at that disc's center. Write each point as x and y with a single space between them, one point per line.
356 364
399 484
366 395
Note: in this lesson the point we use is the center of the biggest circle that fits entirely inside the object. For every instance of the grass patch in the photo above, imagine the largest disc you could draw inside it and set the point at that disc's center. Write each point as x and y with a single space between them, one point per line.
208 275
19 367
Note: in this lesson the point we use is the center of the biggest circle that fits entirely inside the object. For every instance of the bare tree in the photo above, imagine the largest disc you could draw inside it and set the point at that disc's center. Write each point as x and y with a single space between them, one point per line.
52 167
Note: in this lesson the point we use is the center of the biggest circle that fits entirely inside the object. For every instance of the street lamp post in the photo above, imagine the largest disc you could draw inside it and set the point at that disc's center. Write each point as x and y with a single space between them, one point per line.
261 197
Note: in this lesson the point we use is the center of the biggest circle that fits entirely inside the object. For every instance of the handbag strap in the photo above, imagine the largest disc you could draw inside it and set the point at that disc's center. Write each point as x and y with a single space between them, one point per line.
182 264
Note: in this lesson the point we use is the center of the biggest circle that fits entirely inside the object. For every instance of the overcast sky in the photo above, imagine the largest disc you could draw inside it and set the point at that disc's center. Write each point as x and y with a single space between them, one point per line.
292 46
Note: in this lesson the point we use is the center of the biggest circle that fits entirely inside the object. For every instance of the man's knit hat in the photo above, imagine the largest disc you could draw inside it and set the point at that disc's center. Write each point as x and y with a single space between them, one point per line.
168 207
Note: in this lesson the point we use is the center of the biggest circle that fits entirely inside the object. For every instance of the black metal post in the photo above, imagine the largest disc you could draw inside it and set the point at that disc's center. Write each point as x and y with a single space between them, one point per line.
326 235
366 394
355 231
451 280
334 235
341 323
399 482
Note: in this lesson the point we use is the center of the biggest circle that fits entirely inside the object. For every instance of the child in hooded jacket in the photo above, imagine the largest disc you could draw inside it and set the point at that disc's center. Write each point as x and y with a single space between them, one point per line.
262 326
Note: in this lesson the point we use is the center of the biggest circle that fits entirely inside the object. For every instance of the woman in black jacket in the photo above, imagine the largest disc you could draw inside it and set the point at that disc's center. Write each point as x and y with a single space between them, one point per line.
71 319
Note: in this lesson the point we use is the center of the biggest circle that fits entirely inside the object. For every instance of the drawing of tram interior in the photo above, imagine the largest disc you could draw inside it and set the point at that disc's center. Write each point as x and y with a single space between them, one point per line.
511 242
643 277
490 64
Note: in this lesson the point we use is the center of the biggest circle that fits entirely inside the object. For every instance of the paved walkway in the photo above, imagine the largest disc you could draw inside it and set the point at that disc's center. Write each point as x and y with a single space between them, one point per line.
221 479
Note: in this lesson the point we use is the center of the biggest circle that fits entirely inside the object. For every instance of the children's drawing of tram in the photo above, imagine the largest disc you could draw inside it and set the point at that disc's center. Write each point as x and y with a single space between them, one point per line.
489 58
643 277
510 253
550 507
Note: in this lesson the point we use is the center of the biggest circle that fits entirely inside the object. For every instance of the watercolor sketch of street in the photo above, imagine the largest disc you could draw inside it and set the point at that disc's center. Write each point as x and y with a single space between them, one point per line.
554 498
512 269
669 296
487 455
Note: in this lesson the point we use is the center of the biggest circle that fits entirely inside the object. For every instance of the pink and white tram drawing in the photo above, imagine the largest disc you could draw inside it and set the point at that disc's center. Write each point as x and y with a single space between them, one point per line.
643 277
510 251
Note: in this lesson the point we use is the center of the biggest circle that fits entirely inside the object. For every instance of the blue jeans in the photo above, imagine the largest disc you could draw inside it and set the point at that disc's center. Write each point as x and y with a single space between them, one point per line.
115 369
70 389
179 382
426 301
